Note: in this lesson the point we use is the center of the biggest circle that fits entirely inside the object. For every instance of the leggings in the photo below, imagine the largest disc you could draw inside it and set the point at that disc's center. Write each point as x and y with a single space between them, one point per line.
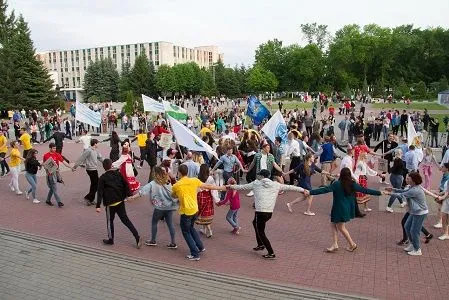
260 219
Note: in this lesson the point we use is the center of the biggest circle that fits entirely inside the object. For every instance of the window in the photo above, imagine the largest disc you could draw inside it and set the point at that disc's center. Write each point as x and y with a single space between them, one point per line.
66 69
73 69
157 63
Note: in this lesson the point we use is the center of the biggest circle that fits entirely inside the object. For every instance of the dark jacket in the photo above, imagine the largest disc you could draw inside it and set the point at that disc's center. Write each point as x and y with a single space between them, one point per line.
58 136
112 188
152 149
32 165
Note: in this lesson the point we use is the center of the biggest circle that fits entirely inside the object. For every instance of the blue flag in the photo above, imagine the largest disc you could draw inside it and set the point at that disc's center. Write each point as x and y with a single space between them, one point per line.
257 111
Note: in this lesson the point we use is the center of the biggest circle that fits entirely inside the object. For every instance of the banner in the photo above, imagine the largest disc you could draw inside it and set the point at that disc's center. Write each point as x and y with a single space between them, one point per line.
166 139
256 111
276 127
85 115
149 104
414 139
187 138
175 111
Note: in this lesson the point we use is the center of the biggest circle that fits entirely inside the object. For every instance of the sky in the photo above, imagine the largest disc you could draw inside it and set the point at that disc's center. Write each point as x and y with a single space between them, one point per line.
237 27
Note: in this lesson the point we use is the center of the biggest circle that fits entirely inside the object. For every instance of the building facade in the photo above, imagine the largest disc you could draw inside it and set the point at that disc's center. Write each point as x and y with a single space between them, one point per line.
71 65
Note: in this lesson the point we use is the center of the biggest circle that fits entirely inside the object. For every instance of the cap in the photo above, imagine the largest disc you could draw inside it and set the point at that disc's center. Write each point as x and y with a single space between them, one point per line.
264 173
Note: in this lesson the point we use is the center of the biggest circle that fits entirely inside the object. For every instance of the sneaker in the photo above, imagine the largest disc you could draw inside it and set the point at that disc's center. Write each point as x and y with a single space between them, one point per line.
202 250
49 203
6 174
389 209
309 213
150 243
108 242
172 246
192 258
403 204
402 243
19 193
60 204
259 248
367 209
428 238
35 201
438 225
12 187
250 194
409 248
289 206
415 253
443 237
238 230
139 243
269 256
27 195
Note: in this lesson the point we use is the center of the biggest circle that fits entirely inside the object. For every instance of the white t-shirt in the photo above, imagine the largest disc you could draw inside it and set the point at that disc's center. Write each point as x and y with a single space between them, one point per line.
263 162
85 139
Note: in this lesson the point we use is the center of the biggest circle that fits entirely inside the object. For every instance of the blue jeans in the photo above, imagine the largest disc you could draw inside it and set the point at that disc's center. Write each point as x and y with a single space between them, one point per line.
396 182
190 234
32 180
413 227
157 215
52 188
231 217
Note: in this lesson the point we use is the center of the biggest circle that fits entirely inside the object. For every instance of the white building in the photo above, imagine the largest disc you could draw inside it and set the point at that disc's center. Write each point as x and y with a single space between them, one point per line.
71 65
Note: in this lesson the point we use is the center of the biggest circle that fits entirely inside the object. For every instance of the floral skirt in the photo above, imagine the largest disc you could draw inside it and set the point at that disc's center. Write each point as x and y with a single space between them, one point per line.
361 197
133 184
205 208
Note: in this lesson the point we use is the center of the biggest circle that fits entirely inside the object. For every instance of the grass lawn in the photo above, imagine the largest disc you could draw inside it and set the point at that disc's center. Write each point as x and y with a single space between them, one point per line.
413 105
442 127
289 104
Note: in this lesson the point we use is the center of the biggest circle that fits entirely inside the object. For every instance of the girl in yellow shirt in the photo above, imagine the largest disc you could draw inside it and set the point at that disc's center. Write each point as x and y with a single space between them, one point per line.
14 164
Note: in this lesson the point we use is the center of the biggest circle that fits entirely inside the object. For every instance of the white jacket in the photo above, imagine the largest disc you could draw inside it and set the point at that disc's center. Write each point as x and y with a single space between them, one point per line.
266 192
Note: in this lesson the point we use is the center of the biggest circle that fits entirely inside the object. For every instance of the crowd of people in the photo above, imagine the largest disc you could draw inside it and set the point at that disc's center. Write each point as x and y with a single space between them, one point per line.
194 183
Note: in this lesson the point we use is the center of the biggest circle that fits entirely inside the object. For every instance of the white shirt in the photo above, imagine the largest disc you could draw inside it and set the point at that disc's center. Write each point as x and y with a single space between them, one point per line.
363 169
263 162
85 139
445 158
347 162
293 148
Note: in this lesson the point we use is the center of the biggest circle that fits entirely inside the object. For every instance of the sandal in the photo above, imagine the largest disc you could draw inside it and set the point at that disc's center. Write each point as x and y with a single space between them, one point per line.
331 250
352 248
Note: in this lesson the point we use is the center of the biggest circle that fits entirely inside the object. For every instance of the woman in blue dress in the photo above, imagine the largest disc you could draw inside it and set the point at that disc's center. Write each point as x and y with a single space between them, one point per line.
343 209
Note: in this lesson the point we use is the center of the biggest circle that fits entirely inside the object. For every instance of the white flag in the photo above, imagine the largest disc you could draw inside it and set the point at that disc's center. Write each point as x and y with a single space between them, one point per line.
175 111
86 115
414 138
187 138
149 104
276 127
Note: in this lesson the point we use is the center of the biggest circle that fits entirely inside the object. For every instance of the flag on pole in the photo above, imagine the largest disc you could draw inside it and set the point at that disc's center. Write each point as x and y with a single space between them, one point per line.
149 104
276 127
86 115
414 138
187 138
175 111
256 110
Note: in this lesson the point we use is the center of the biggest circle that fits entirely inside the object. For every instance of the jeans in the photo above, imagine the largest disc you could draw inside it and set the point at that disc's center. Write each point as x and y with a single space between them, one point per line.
32 180
4 164
15 171
52 188
404 232
120 210
342 135
231 217
158 214
190 234
412 227
260 219
93 176
396 182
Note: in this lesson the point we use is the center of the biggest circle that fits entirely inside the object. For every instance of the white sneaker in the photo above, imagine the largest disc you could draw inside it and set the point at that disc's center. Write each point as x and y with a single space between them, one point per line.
403 204
250 194
409 248
415 253
367 209
389 209
12 187
438 225
35 201
443 237
27 195
19 193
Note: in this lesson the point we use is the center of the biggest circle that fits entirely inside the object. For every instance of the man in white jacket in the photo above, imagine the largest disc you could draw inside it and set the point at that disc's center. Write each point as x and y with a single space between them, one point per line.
265 195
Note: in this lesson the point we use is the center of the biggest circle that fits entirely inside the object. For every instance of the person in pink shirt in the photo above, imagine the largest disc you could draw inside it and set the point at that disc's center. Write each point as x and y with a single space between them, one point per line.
233 197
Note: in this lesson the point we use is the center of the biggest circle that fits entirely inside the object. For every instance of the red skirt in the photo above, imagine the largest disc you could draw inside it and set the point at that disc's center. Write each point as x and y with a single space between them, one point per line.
361 197
205 208
237 129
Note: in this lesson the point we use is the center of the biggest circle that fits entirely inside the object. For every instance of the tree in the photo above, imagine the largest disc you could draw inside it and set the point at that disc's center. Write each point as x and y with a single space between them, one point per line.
442 84
261 80
208 86
271 56
142 76
102 80
124 82
420 90
165 80
24 81
316 34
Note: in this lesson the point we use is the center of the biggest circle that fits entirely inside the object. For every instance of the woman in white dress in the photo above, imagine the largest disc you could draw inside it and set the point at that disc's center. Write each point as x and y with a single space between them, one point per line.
362 170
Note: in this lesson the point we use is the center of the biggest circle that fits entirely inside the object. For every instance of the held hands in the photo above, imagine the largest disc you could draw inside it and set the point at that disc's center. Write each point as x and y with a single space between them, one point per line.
385 193
98 210
389 189
306 193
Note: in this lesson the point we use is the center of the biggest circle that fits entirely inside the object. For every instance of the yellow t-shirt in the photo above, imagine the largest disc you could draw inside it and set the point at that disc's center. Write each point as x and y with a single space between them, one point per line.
14 157
3 144
141 139
204 130
25 138
186 190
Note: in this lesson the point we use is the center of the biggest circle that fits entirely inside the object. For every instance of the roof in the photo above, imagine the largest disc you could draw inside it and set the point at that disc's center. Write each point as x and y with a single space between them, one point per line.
444 92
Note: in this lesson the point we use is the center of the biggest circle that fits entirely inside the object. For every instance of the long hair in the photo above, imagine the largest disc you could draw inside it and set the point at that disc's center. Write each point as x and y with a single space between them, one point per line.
115 138
346 181
160 176
204 173
30 155
306 164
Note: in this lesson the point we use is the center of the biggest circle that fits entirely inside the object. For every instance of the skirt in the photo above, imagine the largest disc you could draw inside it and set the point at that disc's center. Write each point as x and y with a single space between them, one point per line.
205 208
361 197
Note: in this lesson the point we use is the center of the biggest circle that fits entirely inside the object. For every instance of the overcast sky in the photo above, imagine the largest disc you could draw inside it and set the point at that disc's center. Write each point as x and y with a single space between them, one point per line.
237 27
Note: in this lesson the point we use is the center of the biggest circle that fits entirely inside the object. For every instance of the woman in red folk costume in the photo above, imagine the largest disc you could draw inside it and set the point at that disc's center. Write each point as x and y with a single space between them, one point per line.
126 166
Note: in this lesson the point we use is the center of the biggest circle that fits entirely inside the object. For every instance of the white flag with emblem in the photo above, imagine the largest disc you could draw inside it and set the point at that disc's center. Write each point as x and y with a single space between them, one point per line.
149 104
276 127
